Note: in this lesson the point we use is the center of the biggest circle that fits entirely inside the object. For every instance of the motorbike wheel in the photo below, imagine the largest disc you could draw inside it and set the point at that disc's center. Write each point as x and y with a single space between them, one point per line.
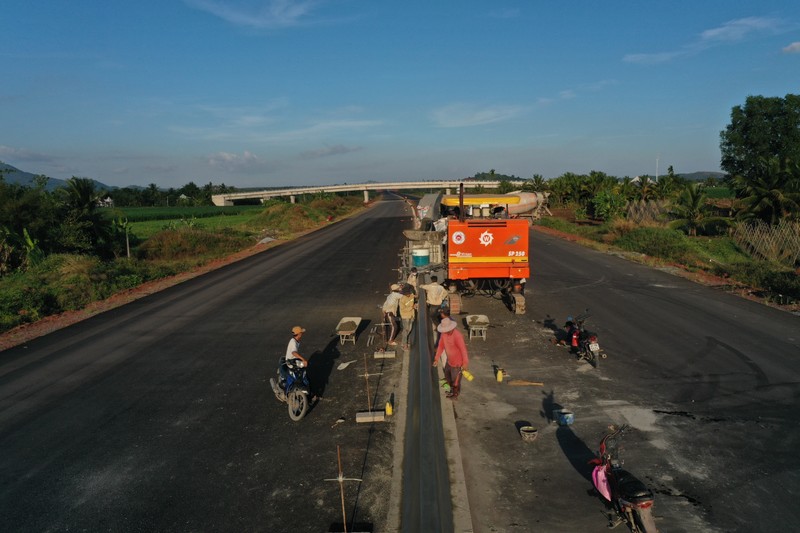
298 404
595 359
645 522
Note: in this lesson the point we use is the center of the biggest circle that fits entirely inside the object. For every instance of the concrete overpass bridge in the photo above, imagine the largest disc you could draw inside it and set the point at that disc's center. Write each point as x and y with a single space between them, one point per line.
292 193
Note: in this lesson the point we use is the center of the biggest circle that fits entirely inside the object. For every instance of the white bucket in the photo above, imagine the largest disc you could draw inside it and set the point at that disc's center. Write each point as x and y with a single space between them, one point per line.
421 257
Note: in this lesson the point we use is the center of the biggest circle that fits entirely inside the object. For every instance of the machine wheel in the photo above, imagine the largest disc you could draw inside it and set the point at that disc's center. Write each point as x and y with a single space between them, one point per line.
298 404
455 303
644 521
595 359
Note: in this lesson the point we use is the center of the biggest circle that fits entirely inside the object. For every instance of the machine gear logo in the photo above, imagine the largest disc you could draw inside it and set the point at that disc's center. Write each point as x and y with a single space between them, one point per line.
458 237
486 238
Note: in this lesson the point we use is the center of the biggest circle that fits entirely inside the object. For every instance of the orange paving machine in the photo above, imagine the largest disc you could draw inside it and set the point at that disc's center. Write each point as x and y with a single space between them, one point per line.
472 243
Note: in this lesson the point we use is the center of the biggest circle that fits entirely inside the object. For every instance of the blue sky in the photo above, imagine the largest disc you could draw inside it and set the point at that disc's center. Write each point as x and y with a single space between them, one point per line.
282 92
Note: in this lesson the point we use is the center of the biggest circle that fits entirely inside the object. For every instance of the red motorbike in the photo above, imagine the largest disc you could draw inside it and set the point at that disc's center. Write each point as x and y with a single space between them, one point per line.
631 499
584 342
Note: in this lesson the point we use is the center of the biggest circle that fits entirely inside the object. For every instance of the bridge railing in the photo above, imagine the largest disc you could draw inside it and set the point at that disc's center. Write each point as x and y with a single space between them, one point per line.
228 198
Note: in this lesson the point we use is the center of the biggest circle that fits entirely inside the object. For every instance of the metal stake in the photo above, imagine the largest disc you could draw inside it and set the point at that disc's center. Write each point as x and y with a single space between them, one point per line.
341 479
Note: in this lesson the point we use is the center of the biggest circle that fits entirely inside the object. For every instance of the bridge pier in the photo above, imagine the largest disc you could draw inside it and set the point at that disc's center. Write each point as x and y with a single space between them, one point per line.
292 199
366 196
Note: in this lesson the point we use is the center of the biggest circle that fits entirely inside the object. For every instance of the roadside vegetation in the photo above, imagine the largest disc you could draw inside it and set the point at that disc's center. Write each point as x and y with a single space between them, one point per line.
745 227
60 251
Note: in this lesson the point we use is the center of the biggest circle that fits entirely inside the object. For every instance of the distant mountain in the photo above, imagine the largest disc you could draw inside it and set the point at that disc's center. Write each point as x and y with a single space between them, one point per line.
14 175
703 176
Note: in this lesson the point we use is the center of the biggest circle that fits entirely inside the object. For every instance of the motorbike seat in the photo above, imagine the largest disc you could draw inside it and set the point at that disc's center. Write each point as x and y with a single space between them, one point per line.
631 489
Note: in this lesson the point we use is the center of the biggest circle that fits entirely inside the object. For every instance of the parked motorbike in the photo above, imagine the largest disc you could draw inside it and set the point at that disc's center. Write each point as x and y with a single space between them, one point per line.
631 500
292 387
584 342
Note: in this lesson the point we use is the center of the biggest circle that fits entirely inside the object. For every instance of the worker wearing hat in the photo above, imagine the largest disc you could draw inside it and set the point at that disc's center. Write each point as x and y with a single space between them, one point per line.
451 343
293 349
389 309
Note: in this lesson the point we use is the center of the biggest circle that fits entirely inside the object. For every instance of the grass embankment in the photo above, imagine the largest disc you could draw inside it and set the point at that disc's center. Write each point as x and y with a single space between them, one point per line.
182 240
717 256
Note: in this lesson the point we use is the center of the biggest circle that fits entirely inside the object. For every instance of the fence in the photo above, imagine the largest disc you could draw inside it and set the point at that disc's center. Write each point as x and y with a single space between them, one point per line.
779 243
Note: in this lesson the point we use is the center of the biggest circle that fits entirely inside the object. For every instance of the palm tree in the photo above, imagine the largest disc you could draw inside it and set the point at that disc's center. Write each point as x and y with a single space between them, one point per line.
691 208
773 193
664 186
646 188
81 196
536 184
627 189
83 228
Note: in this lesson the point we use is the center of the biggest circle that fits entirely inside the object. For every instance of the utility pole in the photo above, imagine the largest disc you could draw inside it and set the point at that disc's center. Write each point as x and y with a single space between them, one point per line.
657 156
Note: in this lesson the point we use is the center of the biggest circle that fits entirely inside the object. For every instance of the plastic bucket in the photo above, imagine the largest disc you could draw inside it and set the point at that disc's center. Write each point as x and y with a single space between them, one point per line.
564 417
421 257
528 433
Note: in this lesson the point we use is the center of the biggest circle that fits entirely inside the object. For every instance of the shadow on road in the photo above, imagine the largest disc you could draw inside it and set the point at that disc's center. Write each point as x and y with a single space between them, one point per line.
574 449
320 366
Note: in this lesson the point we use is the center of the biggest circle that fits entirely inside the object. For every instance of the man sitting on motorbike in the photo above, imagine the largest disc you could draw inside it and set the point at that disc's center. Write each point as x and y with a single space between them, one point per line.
293 351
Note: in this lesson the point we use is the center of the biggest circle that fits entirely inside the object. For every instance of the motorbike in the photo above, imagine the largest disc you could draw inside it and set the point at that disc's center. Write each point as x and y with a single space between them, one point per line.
291 387
584 342
631 500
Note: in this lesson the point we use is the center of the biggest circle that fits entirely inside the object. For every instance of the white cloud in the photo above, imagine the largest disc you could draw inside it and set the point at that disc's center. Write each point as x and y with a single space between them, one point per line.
466 115
736 30
235 162
729 32
264 15
793 48
328 151
21 154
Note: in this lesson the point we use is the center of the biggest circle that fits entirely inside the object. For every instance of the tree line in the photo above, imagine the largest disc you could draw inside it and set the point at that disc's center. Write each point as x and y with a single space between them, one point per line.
35 222
152 195
761 157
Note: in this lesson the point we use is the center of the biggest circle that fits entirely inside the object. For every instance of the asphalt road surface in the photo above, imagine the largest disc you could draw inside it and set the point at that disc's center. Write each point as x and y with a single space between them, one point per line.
158 416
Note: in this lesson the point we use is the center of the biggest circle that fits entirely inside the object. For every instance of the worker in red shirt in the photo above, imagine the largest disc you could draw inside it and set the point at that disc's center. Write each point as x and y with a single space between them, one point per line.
452 343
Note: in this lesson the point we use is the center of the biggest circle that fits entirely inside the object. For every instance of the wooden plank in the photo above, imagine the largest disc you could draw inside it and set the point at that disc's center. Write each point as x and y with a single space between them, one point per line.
370 416
523 382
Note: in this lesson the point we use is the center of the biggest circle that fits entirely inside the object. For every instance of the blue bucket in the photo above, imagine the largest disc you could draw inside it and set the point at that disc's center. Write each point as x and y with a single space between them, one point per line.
564 417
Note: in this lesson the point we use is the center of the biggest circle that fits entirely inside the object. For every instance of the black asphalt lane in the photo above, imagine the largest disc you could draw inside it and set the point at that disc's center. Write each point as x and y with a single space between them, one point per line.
157 416
709 383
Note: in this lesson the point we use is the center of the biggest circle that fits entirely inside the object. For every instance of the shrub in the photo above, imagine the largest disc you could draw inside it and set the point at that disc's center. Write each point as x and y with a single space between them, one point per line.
657 242
768 276
190 244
